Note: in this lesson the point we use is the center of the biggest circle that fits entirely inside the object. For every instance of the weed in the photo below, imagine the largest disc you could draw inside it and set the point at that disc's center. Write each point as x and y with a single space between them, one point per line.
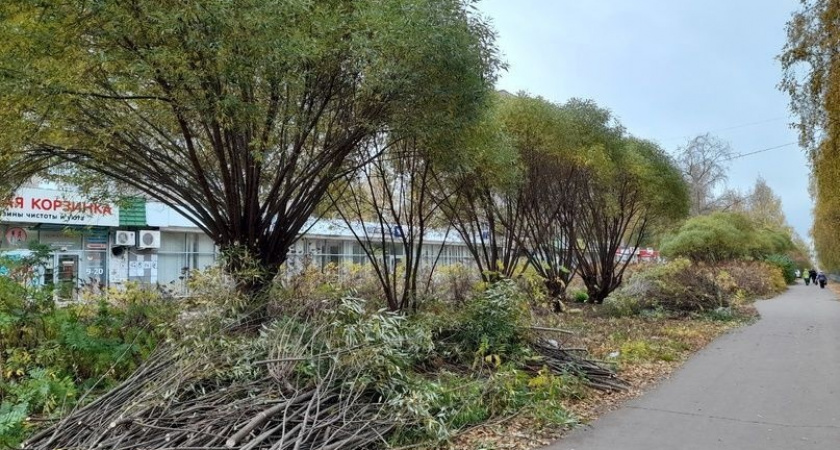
580 296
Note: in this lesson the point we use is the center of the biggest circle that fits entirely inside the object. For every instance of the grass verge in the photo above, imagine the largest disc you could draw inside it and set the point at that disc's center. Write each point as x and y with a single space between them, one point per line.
645 350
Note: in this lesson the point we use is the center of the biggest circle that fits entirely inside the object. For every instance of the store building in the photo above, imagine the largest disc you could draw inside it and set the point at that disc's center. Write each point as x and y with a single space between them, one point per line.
95 245
77 230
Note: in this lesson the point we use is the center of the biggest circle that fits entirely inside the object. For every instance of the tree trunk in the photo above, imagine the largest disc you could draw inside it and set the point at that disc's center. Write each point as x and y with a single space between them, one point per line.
253 273
556 291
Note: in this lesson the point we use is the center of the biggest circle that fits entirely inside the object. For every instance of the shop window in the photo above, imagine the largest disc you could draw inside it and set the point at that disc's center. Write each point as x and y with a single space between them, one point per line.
359 256
62 239
333 254
180 254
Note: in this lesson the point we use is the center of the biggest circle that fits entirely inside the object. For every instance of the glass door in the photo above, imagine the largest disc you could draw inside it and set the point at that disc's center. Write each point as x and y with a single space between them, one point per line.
67 275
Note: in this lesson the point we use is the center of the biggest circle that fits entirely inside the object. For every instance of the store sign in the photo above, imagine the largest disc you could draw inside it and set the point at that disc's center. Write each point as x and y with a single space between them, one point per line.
55 207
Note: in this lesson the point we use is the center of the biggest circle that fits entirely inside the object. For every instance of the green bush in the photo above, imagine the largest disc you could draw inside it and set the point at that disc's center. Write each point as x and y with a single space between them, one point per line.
49 355
622 304
580 296
787 266
493 322
724 236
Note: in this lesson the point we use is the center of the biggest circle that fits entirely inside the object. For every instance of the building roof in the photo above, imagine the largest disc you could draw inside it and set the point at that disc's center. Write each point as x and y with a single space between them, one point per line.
162 216
338 228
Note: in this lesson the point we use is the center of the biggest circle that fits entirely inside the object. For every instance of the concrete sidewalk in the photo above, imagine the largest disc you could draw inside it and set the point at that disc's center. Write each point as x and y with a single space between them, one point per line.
772 385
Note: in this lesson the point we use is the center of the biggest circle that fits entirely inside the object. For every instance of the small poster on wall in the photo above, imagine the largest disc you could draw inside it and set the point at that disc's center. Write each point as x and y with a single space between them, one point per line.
118 269
132 269
15 236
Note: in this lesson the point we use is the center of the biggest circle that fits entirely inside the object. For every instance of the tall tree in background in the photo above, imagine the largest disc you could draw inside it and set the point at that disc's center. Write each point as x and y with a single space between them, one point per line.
811 65
237 114
765 207
703 161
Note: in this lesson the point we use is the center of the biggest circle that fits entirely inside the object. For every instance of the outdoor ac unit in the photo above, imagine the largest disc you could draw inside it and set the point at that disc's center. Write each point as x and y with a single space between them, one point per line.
149 239
125 238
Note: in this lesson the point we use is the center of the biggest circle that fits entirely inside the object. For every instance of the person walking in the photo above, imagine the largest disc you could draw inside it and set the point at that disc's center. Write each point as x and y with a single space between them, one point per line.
807 278
813 274
822 279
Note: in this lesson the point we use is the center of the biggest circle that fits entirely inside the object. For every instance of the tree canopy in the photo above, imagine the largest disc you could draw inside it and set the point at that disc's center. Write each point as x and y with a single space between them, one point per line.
564 186
703 161
238 114
811 67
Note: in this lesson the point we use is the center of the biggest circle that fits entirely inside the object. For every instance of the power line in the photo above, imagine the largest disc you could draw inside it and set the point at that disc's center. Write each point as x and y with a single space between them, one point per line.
775 119
741 155
734 127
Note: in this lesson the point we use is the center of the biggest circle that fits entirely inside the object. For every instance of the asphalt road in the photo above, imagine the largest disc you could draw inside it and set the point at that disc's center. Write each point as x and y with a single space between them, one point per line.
772 385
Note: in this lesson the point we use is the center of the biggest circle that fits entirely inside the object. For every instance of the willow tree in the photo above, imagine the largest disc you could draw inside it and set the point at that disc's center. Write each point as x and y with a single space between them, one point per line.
546 138
238 114
811 65
765 207
478 196
389 207
635 188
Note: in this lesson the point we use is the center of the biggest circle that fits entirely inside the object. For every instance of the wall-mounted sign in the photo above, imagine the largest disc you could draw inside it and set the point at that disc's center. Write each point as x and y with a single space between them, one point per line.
397 231
56 207
96 241
15 236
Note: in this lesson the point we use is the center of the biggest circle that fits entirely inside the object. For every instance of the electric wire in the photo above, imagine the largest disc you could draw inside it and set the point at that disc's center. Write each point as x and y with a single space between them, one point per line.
741 155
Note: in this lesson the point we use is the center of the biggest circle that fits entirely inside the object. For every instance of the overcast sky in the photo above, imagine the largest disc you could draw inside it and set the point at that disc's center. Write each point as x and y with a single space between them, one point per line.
668 69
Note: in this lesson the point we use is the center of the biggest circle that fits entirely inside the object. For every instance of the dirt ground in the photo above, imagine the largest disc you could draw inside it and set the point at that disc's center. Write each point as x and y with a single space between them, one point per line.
646 351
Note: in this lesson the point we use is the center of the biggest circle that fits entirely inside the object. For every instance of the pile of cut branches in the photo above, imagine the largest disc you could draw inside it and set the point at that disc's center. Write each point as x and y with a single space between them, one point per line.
341 381
168 404
296 386
576 361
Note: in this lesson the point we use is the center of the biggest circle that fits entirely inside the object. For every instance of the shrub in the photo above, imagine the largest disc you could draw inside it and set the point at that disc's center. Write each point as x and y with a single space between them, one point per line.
755 279
580 296
492 322
724 236
684 287
787 266
51 354
460 281
622 303
533 286
678 286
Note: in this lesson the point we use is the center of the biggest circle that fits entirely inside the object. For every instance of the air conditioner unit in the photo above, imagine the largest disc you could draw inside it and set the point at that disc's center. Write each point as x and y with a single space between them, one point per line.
124 238
149 239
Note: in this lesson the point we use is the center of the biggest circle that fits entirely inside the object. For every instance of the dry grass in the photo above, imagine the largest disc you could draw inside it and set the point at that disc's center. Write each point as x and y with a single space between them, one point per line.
645 350
835 287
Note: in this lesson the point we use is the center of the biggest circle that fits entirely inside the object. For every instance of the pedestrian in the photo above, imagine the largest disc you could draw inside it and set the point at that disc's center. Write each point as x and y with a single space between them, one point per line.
822 279
807 278
813 274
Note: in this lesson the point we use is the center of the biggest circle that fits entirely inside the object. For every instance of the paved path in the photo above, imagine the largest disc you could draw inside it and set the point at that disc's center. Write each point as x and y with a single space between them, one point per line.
773 385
